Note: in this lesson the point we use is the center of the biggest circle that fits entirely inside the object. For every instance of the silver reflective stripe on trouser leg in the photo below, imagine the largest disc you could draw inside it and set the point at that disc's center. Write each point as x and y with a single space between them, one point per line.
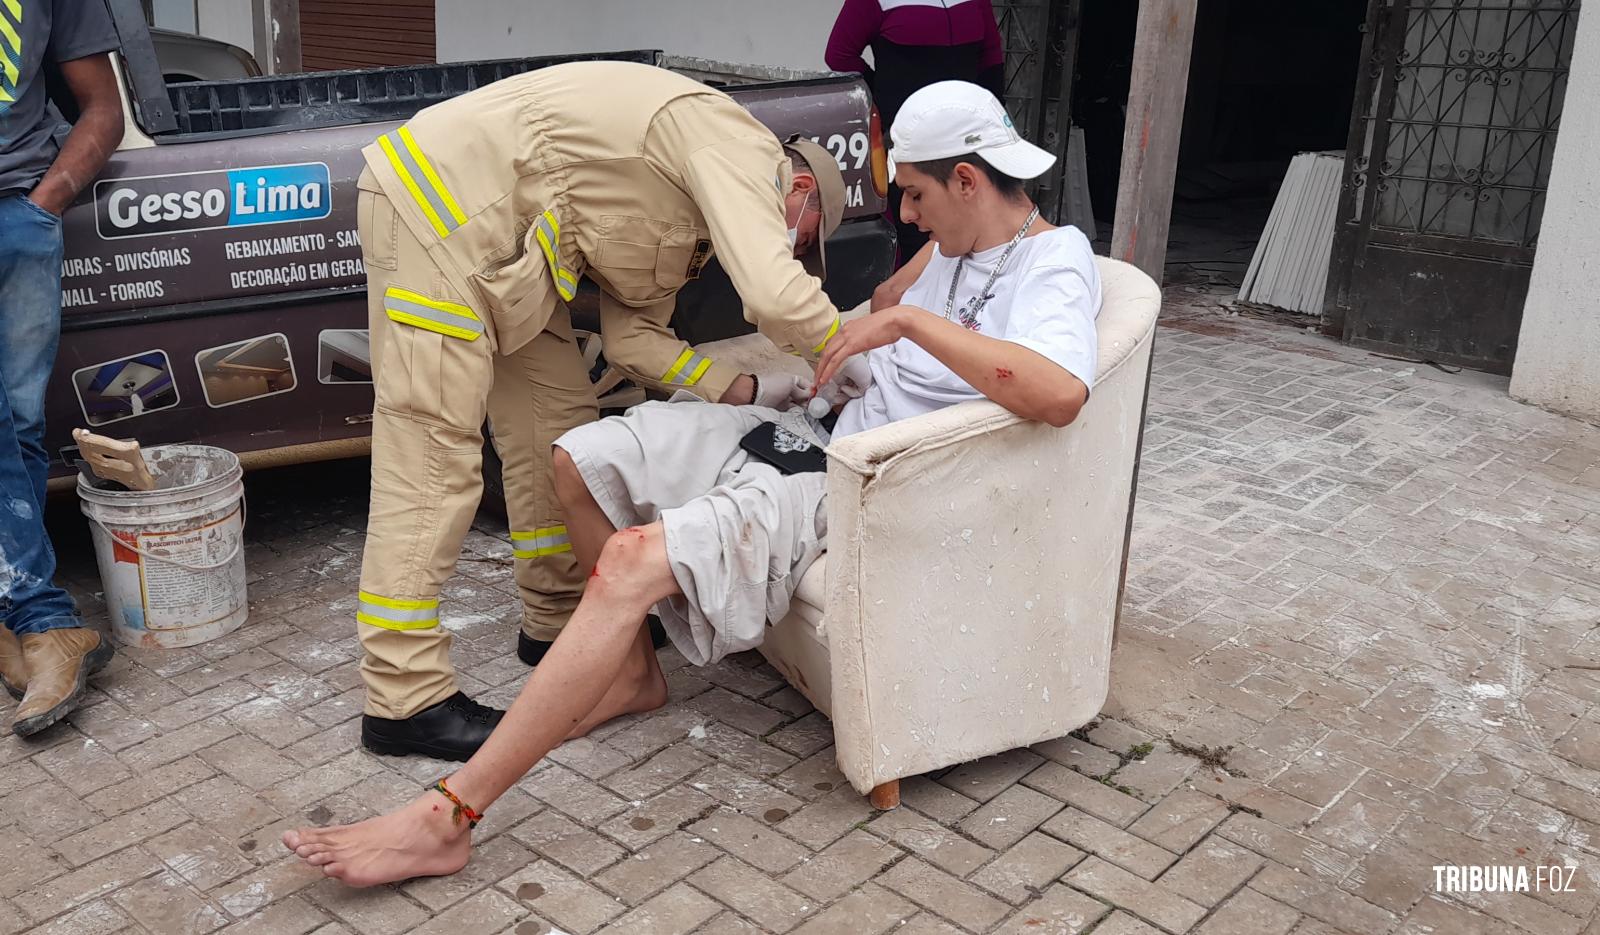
446 318
395 614
547 540
548 230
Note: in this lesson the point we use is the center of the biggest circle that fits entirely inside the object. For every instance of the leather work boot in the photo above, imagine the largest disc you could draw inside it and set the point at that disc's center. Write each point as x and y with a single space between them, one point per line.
13 670
59 665
453 729
531 651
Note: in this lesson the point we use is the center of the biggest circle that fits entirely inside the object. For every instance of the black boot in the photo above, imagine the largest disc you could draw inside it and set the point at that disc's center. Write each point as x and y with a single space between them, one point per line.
531 651
453 729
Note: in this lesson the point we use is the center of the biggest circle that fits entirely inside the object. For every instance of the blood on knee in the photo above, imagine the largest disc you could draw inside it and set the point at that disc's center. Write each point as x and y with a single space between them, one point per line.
624 552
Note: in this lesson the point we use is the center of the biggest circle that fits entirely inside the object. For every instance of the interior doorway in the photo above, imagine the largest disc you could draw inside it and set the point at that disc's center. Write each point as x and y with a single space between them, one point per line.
1267 80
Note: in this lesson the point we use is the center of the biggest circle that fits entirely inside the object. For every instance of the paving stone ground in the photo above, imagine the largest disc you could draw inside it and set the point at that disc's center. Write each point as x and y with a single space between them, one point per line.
1359 641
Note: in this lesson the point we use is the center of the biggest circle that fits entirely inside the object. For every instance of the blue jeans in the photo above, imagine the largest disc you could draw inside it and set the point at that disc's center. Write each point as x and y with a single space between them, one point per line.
30 327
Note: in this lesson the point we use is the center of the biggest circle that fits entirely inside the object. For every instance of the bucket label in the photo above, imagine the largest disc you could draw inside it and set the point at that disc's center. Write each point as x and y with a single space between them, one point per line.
173 597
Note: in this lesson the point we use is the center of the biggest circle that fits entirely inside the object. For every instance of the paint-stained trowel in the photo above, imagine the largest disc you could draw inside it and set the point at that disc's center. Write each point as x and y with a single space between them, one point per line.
120 462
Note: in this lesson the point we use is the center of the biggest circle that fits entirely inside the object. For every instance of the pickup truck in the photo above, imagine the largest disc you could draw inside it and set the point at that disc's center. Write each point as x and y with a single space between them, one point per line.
213 289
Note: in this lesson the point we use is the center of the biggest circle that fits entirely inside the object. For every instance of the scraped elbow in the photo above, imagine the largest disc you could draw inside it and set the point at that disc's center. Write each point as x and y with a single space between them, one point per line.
1062 408
1062 415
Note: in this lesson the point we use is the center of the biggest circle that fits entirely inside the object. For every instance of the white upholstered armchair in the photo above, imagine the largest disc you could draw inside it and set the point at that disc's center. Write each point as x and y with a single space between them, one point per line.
966 603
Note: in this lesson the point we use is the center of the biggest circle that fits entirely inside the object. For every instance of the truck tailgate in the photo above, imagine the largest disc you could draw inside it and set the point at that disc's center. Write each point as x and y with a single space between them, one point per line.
222 270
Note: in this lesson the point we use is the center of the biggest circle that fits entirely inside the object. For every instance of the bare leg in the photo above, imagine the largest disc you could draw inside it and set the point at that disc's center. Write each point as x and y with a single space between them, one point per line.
639 685
587 525
421 839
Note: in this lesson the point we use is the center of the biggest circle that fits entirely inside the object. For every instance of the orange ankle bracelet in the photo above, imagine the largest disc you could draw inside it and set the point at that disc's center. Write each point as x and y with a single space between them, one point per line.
460 808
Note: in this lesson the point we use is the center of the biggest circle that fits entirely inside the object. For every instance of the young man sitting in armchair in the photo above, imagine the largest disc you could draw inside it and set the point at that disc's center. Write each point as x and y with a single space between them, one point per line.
670 511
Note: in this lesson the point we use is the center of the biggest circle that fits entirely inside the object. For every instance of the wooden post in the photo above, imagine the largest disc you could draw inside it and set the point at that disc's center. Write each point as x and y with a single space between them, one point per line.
1154 128
1156 94
277 35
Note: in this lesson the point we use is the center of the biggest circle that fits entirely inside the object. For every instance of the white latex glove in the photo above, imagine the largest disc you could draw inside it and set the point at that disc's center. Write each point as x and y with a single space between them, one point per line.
851 382
781 390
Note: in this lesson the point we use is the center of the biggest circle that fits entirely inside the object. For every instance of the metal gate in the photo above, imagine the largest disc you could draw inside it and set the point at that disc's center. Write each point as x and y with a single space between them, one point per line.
1450 149
1041 43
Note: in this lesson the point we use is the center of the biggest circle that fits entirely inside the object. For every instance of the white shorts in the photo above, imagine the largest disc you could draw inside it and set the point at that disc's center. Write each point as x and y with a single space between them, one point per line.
740 533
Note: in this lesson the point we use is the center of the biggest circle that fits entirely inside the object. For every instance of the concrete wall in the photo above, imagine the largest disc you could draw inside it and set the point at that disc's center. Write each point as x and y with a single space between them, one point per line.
231 21
1558 353
267 29
788 33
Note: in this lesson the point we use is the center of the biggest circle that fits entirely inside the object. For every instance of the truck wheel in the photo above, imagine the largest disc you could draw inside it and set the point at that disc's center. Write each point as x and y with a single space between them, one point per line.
616 396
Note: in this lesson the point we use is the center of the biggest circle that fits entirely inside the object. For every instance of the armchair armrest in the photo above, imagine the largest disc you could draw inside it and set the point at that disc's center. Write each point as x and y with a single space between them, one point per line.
865 453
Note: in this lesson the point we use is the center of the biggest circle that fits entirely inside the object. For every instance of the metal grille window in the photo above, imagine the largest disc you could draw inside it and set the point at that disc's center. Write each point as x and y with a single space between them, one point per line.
1472 91
1041 42
1450 149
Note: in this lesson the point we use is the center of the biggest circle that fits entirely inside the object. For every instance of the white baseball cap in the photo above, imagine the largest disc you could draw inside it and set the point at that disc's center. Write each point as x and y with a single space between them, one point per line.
954 118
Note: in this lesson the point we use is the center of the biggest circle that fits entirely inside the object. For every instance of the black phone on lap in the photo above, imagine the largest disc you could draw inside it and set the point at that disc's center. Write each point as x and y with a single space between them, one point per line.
784 450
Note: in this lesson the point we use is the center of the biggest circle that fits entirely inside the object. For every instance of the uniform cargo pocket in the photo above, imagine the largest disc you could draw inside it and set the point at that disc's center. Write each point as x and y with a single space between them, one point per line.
517 282
379 227
674 256
433 377
628 255
621 254
630 269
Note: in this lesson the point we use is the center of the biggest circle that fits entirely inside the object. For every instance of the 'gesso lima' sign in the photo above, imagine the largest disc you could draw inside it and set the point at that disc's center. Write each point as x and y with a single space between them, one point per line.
192 201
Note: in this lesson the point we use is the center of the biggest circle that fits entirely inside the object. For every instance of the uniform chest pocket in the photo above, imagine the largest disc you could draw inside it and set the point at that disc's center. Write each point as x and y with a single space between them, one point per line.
643 259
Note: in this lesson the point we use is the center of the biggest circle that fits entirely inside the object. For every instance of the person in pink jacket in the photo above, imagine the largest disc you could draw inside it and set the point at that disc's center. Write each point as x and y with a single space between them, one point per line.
915 43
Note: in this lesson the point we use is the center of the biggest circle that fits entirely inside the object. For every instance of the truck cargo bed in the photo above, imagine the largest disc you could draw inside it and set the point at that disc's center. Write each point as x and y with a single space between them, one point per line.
343 98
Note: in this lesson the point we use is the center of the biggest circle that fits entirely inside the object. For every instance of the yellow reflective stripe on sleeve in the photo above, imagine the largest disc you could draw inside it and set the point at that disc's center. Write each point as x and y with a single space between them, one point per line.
832 330
395 614
15 6
411 185
548 540
687 369
677 365
419 311
433 178
548 232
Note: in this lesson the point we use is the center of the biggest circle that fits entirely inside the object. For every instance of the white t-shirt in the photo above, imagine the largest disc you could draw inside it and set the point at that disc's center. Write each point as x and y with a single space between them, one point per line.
1045 299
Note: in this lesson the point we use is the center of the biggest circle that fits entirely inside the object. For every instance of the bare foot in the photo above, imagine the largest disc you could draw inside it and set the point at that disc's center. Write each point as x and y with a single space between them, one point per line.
639 687
417 841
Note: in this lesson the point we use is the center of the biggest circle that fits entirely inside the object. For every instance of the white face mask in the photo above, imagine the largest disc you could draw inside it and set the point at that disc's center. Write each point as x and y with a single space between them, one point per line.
794 232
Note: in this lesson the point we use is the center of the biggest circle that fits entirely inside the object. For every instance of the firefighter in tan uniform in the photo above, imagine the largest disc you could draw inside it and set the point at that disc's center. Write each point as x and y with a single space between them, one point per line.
478 219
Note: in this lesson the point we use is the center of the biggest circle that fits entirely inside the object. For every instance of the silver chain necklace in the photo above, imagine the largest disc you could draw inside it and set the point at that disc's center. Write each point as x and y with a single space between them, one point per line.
969 316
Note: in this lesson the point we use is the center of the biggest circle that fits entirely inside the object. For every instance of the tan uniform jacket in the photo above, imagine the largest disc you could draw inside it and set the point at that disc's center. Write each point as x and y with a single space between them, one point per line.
629 174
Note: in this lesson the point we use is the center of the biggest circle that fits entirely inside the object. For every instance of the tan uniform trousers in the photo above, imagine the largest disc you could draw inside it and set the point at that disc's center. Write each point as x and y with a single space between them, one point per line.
436 377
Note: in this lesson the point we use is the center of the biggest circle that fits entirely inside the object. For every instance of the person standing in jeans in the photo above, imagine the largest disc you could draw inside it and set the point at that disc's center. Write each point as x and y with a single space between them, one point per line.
914 44
46 653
